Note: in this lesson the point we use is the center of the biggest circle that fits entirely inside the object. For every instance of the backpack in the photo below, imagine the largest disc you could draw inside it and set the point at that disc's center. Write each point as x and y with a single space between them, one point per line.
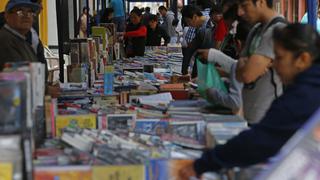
274 21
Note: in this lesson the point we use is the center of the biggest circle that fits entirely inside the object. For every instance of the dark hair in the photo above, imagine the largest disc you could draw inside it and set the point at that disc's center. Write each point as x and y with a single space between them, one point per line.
189 11
85 8
136 11
216 9
298 38
231 13
147 9
162 8
269 2
108 11
105 13
205 3
153 17
243 29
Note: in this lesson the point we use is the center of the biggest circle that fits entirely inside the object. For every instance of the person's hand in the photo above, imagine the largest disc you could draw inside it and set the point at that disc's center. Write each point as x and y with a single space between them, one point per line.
187 172
203 54
53 91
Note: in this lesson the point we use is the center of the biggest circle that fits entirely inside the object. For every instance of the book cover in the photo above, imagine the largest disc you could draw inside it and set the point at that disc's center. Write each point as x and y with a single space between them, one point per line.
77 121
119 121
151 126
171 87
100 32
63 173
6 171
162 169
10 107
132 172
187 133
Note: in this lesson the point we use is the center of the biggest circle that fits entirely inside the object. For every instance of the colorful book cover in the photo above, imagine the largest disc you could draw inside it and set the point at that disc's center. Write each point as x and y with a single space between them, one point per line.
6 171
111 32
187 133
151 126
132 172
81 121
100 32
161 169
120 121
63 173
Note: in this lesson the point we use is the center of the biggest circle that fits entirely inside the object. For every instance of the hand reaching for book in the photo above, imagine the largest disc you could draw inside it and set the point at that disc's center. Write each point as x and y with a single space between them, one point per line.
187 172
203 55
53 91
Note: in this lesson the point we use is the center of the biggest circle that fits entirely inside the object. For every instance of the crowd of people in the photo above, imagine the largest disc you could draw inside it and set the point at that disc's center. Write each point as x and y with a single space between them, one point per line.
273 66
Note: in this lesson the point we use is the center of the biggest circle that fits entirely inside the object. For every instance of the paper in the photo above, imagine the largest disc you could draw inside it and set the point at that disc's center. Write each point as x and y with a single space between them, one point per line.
163 98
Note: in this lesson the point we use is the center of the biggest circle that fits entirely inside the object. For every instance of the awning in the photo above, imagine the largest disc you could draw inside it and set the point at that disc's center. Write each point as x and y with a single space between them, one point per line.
312 12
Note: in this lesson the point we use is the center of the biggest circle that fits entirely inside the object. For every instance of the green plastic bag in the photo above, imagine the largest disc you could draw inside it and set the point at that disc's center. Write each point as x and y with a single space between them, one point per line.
208 77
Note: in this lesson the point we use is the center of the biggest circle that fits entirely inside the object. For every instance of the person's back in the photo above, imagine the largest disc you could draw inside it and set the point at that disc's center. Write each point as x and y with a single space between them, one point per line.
119 14
118 8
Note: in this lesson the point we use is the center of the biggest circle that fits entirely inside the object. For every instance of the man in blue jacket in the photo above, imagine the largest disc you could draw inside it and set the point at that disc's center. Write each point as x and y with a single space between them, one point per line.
298 65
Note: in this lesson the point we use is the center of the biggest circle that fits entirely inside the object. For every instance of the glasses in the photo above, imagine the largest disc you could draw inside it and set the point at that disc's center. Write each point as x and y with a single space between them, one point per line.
21 13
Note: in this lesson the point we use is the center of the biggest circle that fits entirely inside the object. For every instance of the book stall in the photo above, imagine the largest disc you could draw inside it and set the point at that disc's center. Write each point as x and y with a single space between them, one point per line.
115 118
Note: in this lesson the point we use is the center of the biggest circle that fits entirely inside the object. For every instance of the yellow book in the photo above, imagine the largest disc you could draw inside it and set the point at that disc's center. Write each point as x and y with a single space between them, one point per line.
63 173
134 172
82 121
6 171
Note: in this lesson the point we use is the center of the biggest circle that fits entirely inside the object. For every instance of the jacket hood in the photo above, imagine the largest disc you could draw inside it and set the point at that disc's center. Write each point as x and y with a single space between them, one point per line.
311 76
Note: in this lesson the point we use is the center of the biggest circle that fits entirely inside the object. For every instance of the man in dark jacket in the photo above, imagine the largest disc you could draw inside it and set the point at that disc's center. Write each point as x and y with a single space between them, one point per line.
203 35
155 33
19 16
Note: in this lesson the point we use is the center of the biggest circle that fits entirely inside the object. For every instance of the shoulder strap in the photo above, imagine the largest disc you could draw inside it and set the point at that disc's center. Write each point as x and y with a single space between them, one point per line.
275 21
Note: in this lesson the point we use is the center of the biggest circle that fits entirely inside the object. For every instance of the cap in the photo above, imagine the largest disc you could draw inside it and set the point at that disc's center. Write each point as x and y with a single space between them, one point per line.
22 3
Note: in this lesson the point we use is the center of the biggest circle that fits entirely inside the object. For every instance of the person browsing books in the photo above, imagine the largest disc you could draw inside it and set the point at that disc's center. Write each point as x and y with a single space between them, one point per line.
203 35
297 62
156 33
135 35
254 69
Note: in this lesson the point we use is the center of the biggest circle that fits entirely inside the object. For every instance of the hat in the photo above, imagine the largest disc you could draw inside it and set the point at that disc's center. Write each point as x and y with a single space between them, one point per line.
22 3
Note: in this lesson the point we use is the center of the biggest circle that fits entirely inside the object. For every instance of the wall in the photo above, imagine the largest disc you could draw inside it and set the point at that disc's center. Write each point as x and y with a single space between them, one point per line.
52 24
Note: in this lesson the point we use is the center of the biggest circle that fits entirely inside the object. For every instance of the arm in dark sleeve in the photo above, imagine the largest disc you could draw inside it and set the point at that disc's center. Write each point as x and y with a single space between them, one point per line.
8 54
250 147
165 36
193 46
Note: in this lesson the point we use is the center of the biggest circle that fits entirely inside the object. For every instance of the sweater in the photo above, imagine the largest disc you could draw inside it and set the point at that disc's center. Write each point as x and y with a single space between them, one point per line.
14 47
